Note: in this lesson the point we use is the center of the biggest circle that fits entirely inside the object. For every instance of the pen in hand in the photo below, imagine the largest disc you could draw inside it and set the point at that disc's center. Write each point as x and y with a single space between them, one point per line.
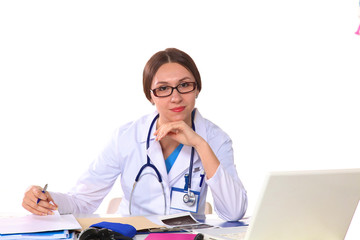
43 191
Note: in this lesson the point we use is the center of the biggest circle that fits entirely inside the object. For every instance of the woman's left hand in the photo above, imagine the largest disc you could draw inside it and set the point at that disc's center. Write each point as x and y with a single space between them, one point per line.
183 133
178 131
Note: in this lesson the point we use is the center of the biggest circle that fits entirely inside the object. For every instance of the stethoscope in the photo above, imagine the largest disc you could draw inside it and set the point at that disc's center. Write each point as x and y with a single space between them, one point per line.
189 197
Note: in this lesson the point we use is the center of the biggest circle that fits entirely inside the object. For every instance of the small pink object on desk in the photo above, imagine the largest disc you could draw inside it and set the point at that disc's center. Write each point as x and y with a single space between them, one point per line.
358 31
172 236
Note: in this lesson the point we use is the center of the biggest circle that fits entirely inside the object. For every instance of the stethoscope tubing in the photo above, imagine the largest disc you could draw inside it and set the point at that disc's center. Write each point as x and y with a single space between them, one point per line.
149 164
192 152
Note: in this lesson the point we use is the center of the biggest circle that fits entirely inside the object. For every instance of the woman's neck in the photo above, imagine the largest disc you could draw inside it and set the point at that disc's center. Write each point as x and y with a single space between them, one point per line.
168 145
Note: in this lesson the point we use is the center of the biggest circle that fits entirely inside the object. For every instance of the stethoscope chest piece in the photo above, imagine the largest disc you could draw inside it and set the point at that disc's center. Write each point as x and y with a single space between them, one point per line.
189 199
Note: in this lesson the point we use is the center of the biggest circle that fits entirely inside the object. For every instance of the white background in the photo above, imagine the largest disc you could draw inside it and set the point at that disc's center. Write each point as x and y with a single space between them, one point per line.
280 77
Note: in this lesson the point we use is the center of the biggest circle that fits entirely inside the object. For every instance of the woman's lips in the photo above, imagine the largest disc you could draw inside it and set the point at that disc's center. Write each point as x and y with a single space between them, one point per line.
178 109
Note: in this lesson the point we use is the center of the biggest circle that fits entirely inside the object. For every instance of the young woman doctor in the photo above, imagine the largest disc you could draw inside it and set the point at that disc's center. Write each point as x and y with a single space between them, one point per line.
173 155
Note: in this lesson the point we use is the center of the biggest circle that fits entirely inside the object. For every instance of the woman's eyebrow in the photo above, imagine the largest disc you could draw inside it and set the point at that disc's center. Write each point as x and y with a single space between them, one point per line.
184 78
180 80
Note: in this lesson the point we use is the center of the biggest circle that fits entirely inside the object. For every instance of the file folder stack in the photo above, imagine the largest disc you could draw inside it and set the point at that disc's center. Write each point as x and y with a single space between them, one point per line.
50 235
53 227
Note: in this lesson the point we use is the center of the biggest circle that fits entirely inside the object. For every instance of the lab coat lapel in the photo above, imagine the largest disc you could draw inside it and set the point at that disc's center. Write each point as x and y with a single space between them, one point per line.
182 163
154 151
157 158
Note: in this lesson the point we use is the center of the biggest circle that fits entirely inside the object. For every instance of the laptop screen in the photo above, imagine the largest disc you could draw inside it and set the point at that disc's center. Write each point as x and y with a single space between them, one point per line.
306 205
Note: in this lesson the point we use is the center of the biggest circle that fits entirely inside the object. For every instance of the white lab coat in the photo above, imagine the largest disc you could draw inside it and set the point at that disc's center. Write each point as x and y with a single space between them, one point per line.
126 154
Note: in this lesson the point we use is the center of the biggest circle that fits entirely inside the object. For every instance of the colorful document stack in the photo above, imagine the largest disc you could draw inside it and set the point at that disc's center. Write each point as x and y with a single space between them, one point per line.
50 235
38 227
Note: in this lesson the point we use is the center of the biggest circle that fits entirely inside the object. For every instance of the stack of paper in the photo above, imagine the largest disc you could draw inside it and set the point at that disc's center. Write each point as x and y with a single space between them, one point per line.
38 227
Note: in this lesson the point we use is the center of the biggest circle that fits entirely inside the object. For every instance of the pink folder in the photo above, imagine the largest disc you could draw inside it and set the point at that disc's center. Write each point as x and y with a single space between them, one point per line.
172 236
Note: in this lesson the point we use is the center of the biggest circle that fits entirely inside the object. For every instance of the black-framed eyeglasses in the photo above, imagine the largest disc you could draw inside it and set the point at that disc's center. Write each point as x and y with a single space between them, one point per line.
165 91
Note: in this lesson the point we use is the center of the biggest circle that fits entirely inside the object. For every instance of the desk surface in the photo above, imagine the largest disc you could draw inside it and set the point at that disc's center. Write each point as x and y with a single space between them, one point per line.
211 219
352 234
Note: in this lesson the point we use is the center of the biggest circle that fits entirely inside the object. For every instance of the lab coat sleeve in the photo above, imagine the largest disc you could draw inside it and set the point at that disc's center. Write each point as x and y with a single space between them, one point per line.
229 194
93 185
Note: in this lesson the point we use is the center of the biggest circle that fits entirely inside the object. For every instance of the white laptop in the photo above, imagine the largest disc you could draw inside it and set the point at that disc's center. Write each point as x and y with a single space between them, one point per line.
302 205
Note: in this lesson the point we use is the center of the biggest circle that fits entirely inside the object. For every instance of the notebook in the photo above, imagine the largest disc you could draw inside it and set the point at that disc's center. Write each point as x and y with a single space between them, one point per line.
300 205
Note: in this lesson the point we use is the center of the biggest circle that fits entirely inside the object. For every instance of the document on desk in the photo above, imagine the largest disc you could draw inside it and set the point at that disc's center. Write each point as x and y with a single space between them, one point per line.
34 223
229 233
138 222
184 220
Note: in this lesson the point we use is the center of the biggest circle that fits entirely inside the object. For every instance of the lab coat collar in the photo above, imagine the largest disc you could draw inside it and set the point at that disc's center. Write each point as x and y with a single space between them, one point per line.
144 128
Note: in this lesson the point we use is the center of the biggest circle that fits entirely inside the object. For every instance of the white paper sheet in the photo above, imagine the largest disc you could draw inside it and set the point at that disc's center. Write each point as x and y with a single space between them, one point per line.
34 223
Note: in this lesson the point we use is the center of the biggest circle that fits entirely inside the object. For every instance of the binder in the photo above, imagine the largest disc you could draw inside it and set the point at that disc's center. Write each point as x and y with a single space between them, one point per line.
51 227
49 235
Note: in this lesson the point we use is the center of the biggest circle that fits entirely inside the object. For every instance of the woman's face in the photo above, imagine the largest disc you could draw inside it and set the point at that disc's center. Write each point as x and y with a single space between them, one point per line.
177 106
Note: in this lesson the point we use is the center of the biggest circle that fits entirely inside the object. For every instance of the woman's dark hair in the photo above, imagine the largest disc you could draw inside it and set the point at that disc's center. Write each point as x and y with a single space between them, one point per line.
169 55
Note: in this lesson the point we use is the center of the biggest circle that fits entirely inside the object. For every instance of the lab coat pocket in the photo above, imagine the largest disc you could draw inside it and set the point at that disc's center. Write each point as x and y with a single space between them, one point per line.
198 180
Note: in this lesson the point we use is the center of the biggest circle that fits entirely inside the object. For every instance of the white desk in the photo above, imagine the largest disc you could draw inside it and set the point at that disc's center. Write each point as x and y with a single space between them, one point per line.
353 233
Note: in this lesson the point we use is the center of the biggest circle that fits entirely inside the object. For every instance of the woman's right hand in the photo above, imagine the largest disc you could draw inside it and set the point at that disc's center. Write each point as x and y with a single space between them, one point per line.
46 206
